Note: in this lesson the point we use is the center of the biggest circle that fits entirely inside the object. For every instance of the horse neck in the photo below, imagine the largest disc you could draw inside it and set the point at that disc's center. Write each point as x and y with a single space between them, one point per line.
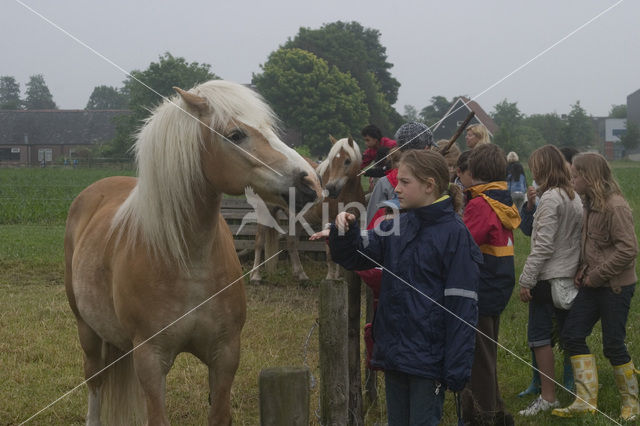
204 228
352 190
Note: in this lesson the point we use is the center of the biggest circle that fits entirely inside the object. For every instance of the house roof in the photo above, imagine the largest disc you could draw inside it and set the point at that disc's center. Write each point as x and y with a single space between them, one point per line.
58 127
480 113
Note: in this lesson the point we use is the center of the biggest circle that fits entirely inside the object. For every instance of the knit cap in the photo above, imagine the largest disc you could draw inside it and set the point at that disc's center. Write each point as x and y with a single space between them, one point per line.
414 135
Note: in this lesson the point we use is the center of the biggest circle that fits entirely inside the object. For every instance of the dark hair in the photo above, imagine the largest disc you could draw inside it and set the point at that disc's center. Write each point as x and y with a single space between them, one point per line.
373 131
463 161
426 164
569 153
488 163
515 169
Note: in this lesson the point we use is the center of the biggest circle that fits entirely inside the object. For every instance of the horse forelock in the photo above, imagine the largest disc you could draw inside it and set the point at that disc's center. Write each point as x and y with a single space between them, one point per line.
162 207
353 151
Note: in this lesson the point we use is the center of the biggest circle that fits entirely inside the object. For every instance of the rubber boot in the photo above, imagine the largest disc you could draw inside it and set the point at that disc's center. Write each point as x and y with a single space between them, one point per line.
586 379
534 386
567 379
628 386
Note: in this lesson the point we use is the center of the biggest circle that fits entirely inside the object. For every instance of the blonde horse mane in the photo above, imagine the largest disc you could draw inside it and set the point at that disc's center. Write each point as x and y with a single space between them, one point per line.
352 151
160 209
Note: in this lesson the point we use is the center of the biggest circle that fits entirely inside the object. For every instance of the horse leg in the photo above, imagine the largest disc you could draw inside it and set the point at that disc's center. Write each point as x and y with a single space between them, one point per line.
92 347
152 365
296 266
256 276
222 369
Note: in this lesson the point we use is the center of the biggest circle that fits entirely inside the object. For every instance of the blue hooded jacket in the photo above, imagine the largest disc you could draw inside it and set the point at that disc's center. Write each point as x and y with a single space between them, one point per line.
427 330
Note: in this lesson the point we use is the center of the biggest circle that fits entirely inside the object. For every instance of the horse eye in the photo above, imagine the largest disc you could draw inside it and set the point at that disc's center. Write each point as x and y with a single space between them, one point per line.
236 136
347 163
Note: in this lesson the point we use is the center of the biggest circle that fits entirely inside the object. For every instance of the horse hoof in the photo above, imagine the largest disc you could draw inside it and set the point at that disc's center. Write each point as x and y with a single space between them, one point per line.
255 282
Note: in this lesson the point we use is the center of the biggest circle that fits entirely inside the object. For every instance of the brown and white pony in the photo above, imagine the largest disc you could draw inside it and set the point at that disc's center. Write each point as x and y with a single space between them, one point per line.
142 253
339 173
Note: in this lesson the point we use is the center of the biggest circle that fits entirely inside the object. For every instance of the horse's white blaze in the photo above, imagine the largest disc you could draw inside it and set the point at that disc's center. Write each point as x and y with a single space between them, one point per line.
290 154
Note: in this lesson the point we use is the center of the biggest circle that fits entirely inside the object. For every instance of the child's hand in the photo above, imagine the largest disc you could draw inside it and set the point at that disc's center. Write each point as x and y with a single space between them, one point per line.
343 220
531 197
525 294
319 235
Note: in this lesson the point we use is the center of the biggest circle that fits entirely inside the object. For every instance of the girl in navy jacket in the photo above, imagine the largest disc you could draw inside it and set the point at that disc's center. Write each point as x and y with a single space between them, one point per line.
424 325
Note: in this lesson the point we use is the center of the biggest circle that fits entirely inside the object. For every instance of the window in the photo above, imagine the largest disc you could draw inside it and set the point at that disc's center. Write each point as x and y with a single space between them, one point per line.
9 154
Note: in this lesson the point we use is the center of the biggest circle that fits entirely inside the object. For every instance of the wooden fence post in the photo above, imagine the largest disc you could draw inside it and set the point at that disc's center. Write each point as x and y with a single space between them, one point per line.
355 379
334 364
284 396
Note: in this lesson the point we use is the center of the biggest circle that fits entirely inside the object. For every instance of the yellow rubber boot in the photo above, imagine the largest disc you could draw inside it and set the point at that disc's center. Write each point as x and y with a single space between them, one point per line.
586 377
628 386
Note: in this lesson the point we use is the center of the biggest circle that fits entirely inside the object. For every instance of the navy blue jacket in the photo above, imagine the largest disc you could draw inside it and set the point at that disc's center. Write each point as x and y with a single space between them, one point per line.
425 321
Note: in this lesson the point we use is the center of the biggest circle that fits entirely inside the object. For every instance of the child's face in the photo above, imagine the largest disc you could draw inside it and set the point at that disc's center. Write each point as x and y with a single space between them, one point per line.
465 177
370 142
578 181
413 193
471 139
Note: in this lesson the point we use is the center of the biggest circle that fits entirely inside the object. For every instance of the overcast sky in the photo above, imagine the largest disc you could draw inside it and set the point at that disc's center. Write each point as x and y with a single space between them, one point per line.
436 47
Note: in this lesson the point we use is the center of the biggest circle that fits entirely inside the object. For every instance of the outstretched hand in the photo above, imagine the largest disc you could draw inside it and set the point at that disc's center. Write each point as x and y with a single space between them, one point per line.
319 235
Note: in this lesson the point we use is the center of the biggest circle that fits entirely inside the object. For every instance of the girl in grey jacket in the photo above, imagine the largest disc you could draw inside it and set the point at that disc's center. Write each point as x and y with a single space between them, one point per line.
555 253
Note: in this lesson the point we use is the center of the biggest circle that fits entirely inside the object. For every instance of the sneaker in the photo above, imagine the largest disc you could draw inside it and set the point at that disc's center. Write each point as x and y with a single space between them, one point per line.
537 406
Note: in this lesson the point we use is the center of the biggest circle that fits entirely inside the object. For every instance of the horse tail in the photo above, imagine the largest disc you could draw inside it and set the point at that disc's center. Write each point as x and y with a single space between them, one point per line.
122 398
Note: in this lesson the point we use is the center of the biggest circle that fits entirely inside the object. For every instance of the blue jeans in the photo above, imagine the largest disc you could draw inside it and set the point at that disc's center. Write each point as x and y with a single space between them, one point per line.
612 309
412 400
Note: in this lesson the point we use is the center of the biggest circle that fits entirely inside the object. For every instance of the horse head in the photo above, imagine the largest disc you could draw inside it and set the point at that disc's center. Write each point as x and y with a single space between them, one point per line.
342 163
240 147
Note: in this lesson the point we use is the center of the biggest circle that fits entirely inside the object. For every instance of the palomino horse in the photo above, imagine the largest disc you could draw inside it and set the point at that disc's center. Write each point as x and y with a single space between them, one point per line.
339 172
141 253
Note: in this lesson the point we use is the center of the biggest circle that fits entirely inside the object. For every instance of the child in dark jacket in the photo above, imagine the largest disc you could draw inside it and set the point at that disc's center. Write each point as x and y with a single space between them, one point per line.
491 218
424 324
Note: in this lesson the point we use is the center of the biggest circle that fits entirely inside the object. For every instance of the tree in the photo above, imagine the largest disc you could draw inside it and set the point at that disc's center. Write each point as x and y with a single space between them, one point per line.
160 77
618 111
580 131
38 94
433 113
521 139
9 93
507 114
550 126
631 139
410 113
311 96
107 97
357 50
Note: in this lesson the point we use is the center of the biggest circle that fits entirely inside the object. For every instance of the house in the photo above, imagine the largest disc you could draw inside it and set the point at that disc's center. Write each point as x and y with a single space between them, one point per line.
31 136
456 115
609 132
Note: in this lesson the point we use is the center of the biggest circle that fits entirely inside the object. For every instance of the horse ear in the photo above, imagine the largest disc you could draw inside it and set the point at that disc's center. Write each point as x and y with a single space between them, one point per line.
194 101
332 139
350 141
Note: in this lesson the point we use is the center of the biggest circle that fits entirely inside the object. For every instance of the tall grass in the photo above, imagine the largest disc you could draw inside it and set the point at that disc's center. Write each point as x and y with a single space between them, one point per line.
40 357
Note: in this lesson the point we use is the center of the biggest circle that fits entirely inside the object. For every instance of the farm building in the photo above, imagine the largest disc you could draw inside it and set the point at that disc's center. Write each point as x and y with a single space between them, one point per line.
31 136
456 115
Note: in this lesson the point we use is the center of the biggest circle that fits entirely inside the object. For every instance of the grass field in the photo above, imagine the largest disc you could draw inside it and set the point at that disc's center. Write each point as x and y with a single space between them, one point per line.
40 358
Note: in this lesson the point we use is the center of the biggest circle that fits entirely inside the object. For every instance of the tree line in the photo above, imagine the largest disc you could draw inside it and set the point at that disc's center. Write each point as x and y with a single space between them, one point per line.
330 80
524 134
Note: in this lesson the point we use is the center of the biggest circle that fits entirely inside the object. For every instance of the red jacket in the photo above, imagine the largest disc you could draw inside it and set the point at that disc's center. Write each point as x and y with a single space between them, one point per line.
370 153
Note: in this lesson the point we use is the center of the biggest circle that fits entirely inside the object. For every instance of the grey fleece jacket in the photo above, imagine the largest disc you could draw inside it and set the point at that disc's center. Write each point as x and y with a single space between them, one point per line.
555 240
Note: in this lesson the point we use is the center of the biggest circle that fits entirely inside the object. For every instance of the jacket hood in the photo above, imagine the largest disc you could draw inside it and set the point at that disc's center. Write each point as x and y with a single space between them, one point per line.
499 198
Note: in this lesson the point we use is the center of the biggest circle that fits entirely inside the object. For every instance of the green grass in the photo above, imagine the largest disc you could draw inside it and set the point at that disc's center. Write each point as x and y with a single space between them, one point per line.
40 358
